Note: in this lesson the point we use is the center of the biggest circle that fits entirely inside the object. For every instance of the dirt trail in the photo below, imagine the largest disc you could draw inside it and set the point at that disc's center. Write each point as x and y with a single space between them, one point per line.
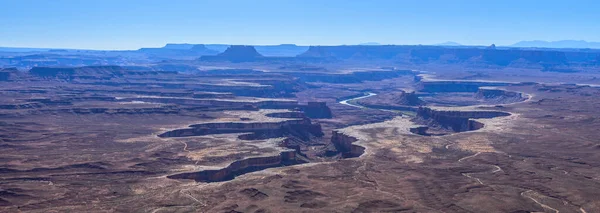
536 201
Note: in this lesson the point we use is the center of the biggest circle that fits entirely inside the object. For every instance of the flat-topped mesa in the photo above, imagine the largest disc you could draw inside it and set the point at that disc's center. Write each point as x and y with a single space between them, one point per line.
499 96
184 46
297 125
96 110
240 167
356 52
457 121
313 109
178 50
316 110
282 50
353 77
456 86
450 55
213 95
236 53
71 72
491 56
88 72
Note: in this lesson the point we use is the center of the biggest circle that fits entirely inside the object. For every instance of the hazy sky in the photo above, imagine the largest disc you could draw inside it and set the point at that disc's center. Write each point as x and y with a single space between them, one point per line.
131 24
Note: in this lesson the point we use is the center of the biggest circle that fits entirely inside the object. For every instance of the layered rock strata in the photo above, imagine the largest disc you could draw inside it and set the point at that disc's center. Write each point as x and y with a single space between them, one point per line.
241 167
499 96
343 144
457 121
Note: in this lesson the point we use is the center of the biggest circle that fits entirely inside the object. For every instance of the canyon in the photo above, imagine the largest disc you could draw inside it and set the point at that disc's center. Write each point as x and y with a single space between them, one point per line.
286 128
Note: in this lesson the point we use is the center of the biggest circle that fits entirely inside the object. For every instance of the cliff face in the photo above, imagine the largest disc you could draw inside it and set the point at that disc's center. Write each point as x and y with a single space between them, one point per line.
95 110
88 72
499 96
236 53
455 86
214 103
178 46
52 72
317 110
490 56
505 57
457 121
421 130
356 52
301 128
200 48
178 50
392 100
450 55
286 50
343 143
355 77
241 167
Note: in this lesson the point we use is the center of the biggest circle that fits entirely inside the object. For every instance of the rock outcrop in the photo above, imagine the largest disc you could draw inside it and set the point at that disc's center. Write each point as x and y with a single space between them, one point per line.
178 46
457 121
356 52
303 129
89 72
344 144
317 110
405 101
420 130
499 96
282 50
241 167
236 53
293 125
113 111
178 51
354 77
449 55
456 86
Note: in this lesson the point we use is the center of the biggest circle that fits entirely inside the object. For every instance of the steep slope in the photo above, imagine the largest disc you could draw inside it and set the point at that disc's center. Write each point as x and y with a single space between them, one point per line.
235 53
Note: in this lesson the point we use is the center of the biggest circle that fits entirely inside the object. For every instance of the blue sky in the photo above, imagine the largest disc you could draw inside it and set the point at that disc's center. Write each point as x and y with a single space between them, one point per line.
131 24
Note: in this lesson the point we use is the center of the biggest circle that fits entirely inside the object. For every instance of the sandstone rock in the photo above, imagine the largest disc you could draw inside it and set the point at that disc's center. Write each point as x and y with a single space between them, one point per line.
498 96
240 167
457 121
236 53
343 144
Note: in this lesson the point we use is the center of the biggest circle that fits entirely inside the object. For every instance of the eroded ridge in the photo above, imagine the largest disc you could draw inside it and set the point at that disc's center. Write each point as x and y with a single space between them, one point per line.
241 167
262 123
289 126
445 120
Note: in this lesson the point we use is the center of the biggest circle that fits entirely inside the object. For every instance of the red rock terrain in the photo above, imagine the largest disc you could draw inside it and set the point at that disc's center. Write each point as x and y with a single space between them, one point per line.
117 139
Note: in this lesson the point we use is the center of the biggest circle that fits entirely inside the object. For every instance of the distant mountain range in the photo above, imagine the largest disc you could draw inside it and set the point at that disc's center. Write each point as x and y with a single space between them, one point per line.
291 50
573 44
578 44
448 43
370 43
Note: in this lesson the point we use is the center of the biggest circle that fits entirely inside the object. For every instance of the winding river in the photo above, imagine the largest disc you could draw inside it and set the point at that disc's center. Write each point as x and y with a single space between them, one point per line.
345 102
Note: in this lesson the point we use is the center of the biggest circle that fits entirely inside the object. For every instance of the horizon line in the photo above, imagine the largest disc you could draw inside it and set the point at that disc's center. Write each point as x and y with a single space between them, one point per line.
308 45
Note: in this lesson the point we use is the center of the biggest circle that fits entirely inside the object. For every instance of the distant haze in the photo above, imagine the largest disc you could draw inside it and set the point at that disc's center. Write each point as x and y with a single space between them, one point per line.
558 44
